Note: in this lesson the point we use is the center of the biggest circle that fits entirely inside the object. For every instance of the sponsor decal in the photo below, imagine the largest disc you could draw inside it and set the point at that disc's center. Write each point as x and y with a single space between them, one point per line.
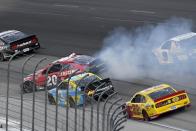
175 99
68 72
25 43
105 88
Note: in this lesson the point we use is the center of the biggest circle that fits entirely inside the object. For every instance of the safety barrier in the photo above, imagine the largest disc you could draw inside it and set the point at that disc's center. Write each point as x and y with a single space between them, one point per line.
32 111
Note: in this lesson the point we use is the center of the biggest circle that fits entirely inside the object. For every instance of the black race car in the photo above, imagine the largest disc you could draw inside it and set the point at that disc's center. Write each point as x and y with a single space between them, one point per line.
13 41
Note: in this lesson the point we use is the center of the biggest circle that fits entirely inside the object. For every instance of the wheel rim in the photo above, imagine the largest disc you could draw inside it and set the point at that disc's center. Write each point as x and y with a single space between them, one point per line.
51 100
145 115
27 87
71 102
1 57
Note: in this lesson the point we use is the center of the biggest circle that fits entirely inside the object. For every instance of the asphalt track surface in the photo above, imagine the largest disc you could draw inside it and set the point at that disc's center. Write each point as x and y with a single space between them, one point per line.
66 26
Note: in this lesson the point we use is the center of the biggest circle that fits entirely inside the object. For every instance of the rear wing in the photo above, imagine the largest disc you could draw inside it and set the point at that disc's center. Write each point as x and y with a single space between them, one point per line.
107 85
170 95
27 41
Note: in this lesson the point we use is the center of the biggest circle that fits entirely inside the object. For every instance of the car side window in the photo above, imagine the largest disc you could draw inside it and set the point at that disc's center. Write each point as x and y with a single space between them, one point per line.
1 43
66 66
71 66
166 45
143 99
138 99
55 68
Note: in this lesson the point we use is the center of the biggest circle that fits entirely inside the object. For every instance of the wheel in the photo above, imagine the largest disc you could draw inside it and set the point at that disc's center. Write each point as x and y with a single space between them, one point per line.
145 116
51 99
71 103
28 86
125 111
2 58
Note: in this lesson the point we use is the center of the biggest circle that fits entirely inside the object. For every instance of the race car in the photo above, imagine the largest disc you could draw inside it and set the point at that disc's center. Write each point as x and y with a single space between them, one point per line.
13 41
152 102
179 49
87 81
60 70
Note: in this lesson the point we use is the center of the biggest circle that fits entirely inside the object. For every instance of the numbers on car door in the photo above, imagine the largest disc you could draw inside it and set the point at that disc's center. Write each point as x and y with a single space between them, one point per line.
52 80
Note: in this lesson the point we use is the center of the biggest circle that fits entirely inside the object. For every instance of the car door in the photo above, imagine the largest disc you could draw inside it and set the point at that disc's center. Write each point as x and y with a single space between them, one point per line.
136 106
163 53
53 74
179 52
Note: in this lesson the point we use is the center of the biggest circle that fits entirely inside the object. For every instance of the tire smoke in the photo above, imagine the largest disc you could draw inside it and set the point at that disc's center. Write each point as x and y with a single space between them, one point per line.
128 53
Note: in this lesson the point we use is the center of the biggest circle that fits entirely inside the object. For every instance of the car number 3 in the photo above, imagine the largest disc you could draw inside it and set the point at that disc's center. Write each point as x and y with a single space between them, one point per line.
52 80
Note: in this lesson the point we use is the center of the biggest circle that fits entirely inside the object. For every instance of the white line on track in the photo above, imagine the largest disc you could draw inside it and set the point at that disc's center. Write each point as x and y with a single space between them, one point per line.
10 122
142 11
122 20
68 6
167 126
12 125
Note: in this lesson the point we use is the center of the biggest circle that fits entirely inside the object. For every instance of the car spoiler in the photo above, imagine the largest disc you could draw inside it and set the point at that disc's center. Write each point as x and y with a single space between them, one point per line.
29 40
170 95
94 85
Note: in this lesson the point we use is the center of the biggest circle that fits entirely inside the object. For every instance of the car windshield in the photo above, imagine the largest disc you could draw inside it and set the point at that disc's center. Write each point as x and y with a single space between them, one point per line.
83 59
189 43
161 93
13 36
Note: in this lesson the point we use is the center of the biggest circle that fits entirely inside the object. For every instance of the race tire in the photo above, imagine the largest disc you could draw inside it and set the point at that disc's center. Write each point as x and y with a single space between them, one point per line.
28 87
124 112
51 99
145 116
184 108
2 58
71 103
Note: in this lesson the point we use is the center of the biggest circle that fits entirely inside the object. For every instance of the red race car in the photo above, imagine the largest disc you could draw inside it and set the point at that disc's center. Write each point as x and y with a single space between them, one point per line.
60 70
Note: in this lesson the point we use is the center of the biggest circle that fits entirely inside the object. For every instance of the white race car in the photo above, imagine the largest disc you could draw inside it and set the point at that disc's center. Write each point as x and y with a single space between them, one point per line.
181 48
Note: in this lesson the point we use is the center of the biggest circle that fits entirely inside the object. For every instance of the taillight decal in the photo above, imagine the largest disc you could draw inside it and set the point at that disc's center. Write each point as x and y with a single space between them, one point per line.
14 46
34 40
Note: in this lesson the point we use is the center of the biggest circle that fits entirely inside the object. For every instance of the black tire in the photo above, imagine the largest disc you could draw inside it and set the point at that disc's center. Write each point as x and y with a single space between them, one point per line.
2 58
71 103
51 99
145 116
96 98
28 86
184 108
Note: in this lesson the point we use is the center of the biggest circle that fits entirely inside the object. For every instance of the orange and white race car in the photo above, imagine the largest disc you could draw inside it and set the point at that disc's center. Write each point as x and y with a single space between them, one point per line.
152 102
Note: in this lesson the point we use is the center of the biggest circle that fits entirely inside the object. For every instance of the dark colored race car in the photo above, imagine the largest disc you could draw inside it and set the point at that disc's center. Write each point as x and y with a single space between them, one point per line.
60 70
13 41
87 81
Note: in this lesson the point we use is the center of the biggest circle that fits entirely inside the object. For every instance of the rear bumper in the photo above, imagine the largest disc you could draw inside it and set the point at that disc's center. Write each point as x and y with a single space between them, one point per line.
8 53
168 110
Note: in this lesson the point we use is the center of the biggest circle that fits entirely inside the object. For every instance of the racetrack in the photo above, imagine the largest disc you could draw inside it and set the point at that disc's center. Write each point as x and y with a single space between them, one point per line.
66 26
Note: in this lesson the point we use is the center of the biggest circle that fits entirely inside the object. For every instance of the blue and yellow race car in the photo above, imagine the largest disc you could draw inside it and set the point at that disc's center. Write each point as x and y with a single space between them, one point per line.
84 83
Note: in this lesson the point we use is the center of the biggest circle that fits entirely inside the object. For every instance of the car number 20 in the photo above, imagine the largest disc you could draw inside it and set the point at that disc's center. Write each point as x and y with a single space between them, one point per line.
52 80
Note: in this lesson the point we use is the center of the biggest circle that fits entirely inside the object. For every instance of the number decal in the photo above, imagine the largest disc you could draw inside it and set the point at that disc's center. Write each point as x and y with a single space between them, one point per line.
52 80
135 109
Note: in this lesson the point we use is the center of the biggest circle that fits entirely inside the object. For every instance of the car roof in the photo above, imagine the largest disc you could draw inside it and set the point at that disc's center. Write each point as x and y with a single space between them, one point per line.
73 58
80 76
4 33
154 88
183 36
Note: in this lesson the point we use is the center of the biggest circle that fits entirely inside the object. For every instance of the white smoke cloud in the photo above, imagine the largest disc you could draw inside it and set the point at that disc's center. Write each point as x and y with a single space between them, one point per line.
128 53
